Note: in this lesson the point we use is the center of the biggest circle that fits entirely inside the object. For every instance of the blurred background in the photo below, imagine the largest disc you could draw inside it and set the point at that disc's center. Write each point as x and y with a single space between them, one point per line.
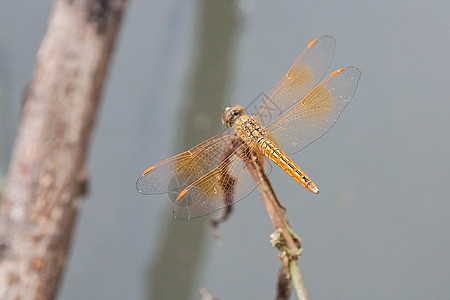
379 228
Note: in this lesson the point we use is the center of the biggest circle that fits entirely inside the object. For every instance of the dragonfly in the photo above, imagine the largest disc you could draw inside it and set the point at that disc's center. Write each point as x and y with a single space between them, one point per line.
218 172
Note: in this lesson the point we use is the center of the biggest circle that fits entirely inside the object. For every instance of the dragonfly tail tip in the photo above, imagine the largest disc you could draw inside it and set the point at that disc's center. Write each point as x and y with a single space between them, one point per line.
312 187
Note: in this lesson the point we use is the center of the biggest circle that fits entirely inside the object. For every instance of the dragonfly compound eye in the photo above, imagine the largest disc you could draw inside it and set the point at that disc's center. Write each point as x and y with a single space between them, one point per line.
231 114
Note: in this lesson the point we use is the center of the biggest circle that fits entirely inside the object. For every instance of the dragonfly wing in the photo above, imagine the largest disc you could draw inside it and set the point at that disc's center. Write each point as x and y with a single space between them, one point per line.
183 169
316 113
223 186
302 77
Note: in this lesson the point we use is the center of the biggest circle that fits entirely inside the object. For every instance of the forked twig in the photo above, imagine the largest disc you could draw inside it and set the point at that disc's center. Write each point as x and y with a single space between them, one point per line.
283 238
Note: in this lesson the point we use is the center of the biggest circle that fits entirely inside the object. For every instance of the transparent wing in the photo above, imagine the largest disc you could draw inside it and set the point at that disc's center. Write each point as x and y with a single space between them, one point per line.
314 115
302 77
223 186
183 169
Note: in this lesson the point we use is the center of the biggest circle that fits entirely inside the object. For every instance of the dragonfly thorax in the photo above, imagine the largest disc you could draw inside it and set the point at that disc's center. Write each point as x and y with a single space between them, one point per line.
246 126
249 129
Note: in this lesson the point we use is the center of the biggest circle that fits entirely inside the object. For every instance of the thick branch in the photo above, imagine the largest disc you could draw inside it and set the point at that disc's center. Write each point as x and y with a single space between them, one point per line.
46 175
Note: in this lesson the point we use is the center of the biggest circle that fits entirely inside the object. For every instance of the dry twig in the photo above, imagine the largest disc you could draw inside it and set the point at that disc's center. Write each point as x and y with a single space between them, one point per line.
283 238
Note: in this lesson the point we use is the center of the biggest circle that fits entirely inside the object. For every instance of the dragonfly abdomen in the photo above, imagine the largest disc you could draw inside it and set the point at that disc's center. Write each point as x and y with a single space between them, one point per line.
277 156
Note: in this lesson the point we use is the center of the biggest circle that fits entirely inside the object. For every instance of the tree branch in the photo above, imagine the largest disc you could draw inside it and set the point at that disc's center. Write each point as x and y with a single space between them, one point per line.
284 238
46 176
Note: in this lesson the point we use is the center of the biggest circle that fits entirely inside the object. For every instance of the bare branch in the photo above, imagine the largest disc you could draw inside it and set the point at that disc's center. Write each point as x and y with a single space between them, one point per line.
297 280
284 238
46 175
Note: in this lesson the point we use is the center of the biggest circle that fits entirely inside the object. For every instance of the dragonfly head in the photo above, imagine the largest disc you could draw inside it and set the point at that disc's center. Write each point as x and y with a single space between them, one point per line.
231 114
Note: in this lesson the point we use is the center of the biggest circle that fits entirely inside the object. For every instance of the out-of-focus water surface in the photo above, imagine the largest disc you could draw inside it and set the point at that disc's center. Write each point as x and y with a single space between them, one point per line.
378 229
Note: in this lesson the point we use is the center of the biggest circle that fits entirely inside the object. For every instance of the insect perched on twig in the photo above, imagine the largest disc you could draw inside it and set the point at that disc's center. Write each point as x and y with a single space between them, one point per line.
299 110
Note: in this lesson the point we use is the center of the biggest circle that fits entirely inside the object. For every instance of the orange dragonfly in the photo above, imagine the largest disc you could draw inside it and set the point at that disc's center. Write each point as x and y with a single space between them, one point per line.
215 174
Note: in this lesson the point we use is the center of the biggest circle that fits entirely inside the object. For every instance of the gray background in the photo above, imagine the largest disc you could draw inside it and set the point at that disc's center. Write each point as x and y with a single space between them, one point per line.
378 229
